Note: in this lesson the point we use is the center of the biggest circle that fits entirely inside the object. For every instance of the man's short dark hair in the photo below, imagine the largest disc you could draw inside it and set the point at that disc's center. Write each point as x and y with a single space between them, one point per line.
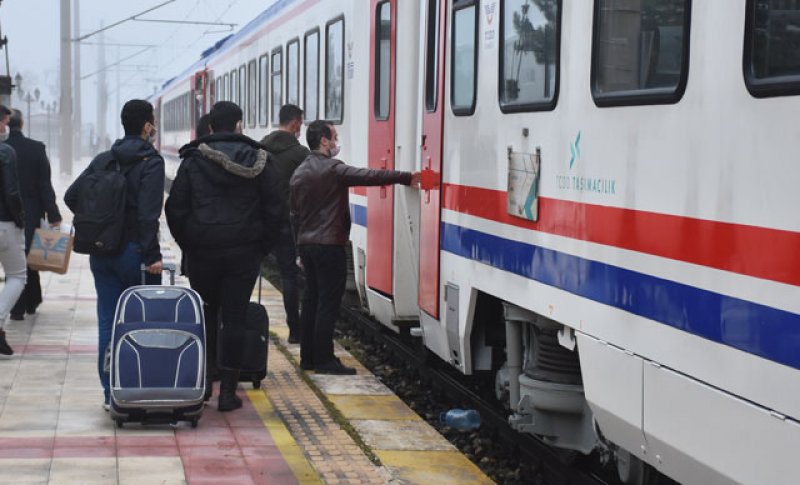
135 114
316 131
15 122
203 127
224 116
4 111
289 113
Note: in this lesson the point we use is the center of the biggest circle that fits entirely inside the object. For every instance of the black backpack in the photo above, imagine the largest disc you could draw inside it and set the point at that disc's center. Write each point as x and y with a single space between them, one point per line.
100 213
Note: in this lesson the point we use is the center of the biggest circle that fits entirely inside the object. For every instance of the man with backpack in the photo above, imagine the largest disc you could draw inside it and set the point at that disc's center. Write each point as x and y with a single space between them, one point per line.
117 204
224 213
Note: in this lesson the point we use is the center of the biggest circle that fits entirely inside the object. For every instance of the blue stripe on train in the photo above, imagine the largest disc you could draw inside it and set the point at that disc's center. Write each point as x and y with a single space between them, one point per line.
358 213
758 329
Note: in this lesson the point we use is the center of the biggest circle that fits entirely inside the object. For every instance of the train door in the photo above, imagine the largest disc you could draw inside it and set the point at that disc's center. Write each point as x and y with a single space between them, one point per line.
380 200
432 134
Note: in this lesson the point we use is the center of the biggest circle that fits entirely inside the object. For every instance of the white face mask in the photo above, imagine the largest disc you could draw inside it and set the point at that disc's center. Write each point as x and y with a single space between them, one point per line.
3 136
152 136
335 150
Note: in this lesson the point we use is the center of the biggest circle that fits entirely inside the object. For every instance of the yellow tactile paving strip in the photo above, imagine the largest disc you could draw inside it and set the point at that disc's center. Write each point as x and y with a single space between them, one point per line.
410 450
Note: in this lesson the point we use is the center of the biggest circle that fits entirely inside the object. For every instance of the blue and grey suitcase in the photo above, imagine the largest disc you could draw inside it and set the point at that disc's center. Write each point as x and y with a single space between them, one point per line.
158 355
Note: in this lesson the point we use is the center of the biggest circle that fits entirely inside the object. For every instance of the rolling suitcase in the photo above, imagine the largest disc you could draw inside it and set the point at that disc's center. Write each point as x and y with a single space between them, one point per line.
158 355
246 348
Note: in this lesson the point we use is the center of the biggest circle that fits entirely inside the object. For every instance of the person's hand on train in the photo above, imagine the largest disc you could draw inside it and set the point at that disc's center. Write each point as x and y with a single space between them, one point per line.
415 180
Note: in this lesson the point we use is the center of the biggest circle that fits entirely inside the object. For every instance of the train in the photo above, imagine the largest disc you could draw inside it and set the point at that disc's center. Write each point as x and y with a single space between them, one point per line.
606 223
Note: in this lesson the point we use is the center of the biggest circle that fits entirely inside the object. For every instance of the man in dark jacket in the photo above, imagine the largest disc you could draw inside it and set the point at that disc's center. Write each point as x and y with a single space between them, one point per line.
223 212
12 237
38 201
144 196
287 154
320 217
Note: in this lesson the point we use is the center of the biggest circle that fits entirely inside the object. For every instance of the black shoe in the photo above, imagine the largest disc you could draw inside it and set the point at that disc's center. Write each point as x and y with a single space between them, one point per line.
17 316
306 365
5 349
293 340
31 310
228 402
334 367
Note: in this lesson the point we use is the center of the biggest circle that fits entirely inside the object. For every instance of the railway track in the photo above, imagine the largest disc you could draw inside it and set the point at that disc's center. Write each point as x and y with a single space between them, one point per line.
494 422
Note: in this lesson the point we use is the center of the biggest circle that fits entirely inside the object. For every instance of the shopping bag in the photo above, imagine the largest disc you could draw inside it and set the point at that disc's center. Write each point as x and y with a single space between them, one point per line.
50 251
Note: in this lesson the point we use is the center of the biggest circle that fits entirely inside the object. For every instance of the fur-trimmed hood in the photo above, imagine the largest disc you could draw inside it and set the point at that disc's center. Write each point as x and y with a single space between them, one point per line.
227 157
219 157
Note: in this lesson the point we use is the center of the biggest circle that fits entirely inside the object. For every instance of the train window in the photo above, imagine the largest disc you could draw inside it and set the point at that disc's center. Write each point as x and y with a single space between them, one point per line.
772 48
263 91
293 72
529 54
641 51
334 71
383 60
212 93
225 87
277 83
465 57
242 102
432 56
233 93
252 93
311 73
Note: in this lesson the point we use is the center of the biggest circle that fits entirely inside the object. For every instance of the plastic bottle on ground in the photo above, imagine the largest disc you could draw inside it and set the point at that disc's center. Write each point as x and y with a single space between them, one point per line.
463 419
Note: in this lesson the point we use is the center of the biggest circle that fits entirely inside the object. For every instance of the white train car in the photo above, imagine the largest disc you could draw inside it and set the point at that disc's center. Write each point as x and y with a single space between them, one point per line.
606 221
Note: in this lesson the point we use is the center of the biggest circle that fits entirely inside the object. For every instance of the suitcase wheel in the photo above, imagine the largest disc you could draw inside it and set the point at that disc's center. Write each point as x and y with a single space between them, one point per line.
193 422
120 423
256 384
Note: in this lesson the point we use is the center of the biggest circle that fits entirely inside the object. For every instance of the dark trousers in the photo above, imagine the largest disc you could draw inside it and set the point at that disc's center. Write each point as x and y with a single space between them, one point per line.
31 297
286 257
326 274
112 276
225 280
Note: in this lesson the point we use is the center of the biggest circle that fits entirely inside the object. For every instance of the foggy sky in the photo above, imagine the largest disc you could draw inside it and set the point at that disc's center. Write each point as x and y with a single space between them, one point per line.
32 28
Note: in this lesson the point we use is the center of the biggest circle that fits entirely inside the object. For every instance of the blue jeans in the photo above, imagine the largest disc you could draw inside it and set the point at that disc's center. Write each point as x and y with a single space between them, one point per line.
112 276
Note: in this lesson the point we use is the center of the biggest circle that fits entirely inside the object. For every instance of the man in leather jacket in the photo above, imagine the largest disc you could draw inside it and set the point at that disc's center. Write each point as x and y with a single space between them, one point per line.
223 212
320 217
12 235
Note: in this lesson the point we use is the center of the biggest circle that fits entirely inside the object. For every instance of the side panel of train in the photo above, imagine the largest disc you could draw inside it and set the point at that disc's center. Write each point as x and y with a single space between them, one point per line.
317 55
618 238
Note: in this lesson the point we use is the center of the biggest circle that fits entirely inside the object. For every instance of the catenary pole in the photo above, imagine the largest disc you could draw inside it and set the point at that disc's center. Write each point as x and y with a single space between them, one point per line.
65 103
77 87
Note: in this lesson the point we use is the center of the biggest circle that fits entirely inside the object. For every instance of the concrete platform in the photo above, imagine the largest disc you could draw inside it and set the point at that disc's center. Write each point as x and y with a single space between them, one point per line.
293 429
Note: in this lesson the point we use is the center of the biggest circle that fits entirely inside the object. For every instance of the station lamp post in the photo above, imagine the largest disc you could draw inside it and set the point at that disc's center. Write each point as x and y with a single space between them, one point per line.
28 97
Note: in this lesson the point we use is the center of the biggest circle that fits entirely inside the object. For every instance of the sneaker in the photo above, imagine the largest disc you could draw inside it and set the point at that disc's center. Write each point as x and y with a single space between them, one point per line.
106 407
335 367
5 349
17 316
228 402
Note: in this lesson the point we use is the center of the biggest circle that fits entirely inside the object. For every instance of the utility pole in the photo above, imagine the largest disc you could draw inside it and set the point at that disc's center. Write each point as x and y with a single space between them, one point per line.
119 106
78 115
102 94
65 145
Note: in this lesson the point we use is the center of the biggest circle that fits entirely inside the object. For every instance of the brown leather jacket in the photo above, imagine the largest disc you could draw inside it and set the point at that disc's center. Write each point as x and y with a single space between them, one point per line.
319 200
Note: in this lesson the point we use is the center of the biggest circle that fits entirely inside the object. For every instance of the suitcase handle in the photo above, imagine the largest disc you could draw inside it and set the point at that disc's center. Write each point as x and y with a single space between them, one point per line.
171 267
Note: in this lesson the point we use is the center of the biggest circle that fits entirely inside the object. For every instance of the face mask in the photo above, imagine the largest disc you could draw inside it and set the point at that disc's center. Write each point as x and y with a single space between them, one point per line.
4 136
335 150
152 136
297 134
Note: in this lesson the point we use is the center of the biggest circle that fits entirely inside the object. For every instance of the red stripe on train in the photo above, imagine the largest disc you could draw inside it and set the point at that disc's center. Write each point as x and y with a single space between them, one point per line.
760 252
